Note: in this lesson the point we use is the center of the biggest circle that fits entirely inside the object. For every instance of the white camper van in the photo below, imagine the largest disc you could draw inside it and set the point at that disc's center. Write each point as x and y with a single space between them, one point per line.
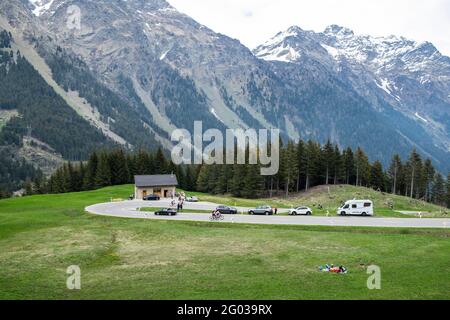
356 208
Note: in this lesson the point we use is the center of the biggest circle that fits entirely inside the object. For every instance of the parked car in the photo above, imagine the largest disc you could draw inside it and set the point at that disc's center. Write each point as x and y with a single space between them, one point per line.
300 211
191 199
166 212
152 197
356 208
261 210
226 210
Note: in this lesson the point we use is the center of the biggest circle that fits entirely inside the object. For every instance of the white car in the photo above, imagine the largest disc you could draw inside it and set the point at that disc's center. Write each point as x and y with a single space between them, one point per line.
300 211
191 199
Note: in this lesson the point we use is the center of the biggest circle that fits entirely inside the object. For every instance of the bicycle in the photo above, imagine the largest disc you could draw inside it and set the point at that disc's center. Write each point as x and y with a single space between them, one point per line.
216 217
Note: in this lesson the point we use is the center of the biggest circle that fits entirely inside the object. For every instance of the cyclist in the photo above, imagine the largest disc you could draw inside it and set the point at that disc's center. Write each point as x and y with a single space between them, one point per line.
216 214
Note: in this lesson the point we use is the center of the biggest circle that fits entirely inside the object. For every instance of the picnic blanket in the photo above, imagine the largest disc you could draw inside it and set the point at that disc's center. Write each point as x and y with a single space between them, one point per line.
333 269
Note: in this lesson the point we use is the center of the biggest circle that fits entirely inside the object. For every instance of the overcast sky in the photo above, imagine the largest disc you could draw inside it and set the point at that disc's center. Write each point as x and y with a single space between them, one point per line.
255 21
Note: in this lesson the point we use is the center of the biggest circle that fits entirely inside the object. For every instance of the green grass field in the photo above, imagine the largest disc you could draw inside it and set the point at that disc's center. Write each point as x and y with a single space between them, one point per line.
41 236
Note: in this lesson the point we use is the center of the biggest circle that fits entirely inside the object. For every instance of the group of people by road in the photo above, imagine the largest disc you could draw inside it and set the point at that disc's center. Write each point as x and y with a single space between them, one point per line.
179 202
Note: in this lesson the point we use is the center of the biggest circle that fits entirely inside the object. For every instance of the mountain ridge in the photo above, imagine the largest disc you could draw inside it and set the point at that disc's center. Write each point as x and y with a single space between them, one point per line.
168 71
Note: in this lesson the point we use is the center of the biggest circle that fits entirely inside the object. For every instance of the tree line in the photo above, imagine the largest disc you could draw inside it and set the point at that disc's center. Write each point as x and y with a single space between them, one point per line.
303 165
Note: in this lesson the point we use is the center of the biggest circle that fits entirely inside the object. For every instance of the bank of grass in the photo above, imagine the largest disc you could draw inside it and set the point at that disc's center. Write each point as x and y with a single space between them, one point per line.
41 236
331 197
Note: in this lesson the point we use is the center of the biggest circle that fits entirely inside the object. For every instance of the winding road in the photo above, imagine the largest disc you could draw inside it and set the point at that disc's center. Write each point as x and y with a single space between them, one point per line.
130 209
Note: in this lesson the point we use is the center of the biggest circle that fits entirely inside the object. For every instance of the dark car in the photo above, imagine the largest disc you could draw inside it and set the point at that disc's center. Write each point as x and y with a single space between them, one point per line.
261 210
152 197
226 210
166 212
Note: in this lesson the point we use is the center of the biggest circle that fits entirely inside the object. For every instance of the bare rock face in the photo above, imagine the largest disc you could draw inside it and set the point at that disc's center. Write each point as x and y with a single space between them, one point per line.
169 69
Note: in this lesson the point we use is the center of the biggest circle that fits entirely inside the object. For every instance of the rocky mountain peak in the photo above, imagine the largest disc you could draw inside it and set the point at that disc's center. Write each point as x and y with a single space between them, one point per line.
338 31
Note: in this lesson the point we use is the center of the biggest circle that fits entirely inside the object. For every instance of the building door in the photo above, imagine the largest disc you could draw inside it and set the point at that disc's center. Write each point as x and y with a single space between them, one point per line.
144 193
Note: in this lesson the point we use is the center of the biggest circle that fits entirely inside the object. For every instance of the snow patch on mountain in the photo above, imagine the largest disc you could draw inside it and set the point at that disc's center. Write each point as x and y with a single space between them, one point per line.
385 85
41 6
214 113
331 51
283 54
420 117
164 55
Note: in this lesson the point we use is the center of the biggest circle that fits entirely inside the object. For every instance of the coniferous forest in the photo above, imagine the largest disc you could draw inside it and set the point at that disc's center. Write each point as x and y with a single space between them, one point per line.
303 165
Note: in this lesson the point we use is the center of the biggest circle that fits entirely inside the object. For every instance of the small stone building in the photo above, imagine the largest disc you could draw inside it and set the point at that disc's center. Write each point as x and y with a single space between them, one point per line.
161 185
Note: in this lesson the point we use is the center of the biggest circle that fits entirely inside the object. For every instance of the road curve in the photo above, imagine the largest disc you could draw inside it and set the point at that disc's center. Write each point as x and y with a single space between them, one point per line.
129 209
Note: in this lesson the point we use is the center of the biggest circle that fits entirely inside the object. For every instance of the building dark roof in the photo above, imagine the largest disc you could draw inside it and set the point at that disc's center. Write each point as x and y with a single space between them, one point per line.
164 180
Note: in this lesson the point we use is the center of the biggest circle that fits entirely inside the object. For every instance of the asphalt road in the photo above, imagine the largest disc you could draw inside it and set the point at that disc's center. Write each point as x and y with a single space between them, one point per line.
129 209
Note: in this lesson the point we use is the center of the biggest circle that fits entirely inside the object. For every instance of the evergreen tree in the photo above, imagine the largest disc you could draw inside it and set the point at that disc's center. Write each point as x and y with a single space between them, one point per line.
414 167
447 198
438 189
160 163
427 179
202 180
119 168
91 172
237 181
290 167
103 176
191 178
253 182
301 150
394 172
328 161
143 163
338 164
377 181
362 168
349 166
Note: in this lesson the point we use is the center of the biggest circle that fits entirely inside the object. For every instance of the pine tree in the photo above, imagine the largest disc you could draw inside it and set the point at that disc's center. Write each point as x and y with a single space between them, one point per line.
328 160
311 159
203 177
338 165
237 182
377 176
143 163
191 178
447 198
438 189
414 167
119 168
427 179
91 172
223 179
290 167
349 166
253 182
301 149
160 163
362 168
103 176
394 172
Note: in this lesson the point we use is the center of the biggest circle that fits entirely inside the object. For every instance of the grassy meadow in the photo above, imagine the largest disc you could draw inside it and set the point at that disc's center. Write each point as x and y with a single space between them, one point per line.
40 236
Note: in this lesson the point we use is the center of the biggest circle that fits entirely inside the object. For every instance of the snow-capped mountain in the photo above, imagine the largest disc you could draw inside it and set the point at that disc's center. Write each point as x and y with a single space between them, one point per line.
390 72
162 70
